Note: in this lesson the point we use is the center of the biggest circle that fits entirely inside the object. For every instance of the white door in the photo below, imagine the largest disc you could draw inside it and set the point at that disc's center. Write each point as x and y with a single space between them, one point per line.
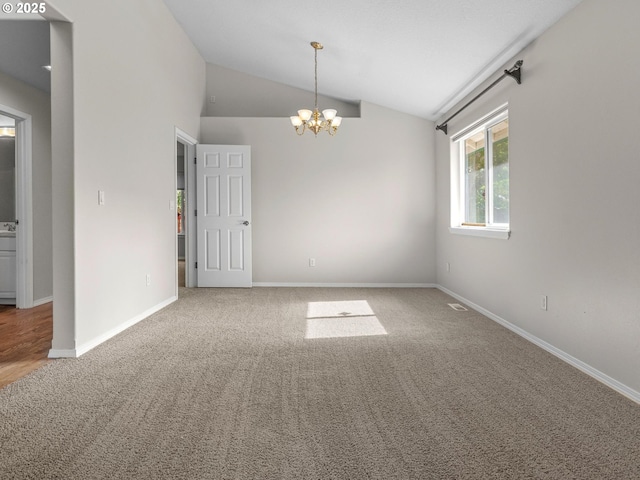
224 215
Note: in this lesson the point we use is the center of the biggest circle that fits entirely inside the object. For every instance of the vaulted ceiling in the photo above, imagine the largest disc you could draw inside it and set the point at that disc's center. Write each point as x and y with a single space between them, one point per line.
415 56
25 49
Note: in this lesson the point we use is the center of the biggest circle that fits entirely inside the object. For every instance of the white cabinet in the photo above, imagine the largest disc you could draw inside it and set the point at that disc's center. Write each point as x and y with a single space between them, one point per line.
7 270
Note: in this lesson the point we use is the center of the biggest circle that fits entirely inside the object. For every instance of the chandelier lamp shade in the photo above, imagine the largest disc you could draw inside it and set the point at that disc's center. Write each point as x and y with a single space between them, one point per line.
313 120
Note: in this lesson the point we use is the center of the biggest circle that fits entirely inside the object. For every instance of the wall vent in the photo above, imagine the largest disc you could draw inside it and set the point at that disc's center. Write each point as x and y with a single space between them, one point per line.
457 307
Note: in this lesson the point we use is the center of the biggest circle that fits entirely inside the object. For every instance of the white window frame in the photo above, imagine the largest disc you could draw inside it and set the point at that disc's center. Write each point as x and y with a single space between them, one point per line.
458 178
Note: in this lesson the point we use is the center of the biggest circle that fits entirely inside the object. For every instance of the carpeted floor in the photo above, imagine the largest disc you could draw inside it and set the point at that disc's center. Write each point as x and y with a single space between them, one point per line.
223 385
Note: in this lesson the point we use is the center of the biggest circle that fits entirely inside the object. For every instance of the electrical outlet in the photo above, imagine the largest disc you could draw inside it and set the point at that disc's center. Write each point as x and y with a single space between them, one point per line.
312 262
212 99
543 302
148 279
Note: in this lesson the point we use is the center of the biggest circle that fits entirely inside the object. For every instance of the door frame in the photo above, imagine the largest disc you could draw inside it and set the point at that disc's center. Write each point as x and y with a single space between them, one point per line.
24 206
190 252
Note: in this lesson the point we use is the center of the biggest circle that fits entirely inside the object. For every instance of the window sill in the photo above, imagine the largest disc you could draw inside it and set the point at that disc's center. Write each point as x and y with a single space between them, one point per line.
500 233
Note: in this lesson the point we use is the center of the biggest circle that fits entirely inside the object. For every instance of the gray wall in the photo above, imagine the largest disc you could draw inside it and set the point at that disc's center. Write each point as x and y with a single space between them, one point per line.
362 203
136 77
574 171
25 98
241 95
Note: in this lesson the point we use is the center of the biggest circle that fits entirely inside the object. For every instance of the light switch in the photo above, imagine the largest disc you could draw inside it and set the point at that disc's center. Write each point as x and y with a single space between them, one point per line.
100 197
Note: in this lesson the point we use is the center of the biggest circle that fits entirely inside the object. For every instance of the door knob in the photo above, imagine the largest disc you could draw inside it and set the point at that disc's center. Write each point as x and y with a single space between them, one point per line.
246 222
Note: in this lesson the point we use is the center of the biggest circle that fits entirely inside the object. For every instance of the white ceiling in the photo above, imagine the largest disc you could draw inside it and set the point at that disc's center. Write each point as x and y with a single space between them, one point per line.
25 49
415 56
7 121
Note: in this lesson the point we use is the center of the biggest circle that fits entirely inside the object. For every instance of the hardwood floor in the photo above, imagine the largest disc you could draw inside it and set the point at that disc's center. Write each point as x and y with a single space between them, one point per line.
25 340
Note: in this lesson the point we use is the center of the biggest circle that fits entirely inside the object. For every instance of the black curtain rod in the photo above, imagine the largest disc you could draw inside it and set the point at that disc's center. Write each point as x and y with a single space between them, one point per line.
513 72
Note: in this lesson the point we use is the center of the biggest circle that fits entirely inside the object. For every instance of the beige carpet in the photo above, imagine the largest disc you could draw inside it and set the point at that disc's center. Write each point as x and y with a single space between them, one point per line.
223 385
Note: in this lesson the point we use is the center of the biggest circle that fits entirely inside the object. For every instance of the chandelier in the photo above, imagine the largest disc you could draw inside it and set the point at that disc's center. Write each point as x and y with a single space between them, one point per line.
312 120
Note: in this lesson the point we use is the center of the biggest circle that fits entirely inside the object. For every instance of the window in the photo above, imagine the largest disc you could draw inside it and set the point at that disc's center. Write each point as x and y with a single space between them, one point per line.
480 177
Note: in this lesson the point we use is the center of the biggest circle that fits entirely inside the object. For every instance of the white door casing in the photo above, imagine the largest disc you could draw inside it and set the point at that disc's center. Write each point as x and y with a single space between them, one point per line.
224 215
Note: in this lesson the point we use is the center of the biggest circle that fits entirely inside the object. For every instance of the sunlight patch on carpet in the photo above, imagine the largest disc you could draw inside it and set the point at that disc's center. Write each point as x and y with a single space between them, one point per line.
343 327
349 308
351 318
457 307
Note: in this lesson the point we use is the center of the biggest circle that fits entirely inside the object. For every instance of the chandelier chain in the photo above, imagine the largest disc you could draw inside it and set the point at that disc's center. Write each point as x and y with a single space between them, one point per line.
316 78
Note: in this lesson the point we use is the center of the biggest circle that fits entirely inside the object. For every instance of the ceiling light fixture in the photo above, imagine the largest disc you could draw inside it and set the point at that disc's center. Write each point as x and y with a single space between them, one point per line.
7 132
311 120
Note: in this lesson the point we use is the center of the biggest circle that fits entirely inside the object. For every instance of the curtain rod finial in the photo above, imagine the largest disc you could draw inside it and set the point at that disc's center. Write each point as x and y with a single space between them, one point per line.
515 72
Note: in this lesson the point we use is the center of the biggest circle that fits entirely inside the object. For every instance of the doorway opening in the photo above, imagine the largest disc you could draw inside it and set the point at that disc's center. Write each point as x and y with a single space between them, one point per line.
8 281
185 147
181 209
20 226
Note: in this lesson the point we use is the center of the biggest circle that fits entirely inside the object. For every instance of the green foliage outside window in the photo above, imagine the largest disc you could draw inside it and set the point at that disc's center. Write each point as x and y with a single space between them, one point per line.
501 181
476 173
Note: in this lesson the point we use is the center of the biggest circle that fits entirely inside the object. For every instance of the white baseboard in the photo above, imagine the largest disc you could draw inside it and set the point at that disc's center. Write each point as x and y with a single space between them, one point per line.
345 285
579 364
42 301
61 353
85 347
